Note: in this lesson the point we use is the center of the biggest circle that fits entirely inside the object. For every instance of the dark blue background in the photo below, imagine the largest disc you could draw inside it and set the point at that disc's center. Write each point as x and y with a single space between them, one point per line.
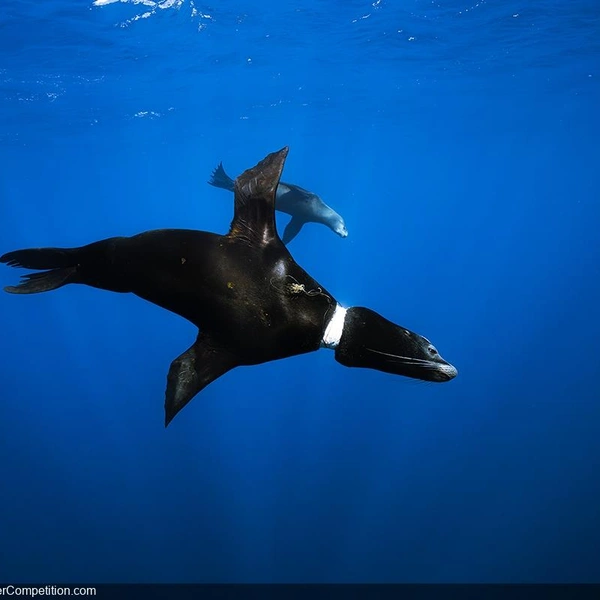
466 163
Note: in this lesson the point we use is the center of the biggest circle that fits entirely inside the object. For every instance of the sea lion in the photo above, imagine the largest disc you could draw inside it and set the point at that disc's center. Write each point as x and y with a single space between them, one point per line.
250 300
303 206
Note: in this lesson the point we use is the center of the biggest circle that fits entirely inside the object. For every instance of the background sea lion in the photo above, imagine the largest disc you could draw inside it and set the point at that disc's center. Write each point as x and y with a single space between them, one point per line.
302 205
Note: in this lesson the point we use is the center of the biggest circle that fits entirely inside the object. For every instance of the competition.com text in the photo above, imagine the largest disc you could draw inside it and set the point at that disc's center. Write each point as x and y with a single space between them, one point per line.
33 591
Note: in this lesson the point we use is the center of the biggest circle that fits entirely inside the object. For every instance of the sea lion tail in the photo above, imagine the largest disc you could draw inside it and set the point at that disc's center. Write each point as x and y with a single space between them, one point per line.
61 265
220 179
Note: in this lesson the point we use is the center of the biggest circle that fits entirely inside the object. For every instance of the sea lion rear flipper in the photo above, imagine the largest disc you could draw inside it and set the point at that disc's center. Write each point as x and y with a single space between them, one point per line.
292 229
58 267
191 372
220 179
254 216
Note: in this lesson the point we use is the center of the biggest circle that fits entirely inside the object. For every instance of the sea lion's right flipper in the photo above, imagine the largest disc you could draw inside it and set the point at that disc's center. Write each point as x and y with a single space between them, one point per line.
292 229
254 217
191 372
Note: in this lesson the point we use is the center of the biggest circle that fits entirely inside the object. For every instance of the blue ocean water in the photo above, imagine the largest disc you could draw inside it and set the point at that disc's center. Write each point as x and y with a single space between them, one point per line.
459 140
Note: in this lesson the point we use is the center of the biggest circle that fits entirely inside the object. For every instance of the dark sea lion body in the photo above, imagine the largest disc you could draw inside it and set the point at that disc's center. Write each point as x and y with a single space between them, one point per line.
229 289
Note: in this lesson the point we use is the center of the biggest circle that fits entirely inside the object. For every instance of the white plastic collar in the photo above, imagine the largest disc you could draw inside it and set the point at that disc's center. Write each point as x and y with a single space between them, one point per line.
334 329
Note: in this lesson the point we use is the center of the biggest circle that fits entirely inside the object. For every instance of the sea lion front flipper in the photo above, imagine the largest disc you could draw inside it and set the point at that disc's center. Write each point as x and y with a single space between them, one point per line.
254 216
191 372
292 229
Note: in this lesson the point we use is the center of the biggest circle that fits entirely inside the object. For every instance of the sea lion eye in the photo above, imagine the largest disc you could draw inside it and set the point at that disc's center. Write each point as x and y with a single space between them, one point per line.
432 350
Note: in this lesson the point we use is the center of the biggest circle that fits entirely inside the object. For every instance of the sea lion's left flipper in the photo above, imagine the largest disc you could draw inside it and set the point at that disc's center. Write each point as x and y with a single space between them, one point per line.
192 372
254 218
292 229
